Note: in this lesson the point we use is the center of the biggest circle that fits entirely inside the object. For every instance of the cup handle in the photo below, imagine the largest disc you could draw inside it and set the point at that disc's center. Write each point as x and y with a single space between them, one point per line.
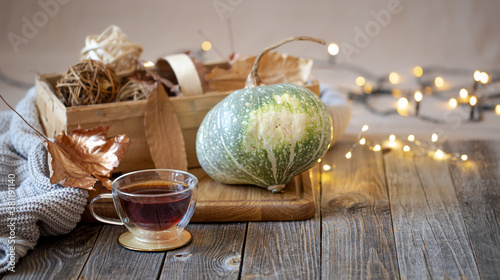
112 221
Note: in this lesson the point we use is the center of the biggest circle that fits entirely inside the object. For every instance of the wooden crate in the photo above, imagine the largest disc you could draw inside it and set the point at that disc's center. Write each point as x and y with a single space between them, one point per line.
125 118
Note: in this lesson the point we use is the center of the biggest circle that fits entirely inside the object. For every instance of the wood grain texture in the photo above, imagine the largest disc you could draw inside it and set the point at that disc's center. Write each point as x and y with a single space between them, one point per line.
285 250
214 253
282 250
477 184
230 203
357 234
431 237
61 257
109 260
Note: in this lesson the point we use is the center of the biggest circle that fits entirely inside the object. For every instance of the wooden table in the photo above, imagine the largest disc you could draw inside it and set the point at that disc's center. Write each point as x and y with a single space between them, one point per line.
382 215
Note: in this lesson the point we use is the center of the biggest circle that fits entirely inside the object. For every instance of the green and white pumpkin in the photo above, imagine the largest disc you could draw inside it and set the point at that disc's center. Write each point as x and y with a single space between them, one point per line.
264 135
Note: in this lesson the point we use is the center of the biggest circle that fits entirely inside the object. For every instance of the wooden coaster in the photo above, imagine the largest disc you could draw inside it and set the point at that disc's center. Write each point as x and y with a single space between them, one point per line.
128 241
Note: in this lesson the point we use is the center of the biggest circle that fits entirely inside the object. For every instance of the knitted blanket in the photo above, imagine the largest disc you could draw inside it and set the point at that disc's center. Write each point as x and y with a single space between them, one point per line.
30 205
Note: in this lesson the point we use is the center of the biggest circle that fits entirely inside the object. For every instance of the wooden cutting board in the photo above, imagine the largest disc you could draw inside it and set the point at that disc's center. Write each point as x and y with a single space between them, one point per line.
236 203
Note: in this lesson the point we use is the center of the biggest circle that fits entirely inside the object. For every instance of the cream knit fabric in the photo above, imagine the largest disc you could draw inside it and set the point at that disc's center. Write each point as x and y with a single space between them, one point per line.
30 205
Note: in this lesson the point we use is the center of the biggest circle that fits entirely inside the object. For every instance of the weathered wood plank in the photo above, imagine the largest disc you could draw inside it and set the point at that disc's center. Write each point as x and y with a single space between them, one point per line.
477 183
429 229
282 250
109 260
61 257
214 253
357 235
285 250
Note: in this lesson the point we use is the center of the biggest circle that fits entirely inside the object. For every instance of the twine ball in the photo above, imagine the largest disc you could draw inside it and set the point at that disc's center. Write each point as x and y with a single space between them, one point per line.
86 83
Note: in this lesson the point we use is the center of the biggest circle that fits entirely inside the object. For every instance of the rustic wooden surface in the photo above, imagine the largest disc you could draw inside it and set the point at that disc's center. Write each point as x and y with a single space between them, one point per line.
380 215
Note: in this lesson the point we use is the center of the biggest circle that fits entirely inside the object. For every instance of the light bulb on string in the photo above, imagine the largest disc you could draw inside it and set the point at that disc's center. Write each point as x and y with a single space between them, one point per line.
418 71
484 78
477 75
439 155
376 148
206 46
497 109
394 78
418 97
453 103
434 137
411 137
439 82
368 88
464 93
348 155
360 81
333 49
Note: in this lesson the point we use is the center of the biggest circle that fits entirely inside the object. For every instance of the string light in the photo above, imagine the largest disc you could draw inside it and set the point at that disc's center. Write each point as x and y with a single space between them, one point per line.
418 146
464 93
497 109
360 81
439 154
403 103
477 75
434 137
206 46
418 96
319 160
473 101
394 78
453 103
368 88
439 82
418 71
333 49
484 78
326 167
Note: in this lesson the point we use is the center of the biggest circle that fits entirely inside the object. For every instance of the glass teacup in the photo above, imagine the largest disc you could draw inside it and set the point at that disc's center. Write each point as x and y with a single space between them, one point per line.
155 205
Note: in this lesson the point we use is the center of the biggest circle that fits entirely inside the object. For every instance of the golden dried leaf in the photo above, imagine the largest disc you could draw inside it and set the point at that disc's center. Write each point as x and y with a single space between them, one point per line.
85 156
163 132
274 68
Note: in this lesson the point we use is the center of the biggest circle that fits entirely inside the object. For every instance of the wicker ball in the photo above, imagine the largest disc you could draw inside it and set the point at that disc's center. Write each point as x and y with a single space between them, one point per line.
87 82
113 48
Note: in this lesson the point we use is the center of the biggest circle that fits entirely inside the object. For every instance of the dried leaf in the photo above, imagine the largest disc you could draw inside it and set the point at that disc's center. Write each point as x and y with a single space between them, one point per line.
85 156
163 132
274 68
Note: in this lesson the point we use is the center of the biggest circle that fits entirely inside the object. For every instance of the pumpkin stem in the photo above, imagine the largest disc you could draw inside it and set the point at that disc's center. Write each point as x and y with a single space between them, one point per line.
253 79
276 188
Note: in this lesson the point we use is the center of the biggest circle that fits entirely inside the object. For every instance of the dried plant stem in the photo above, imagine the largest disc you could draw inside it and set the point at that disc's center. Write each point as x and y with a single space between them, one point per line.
36 131
254 79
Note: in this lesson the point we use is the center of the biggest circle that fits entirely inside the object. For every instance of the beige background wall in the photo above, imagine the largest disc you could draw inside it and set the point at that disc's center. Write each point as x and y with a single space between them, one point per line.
398 34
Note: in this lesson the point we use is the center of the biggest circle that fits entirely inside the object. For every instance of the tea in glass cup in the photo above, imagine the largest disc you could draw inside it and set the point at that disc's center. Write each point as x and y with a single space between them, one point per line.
155 205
